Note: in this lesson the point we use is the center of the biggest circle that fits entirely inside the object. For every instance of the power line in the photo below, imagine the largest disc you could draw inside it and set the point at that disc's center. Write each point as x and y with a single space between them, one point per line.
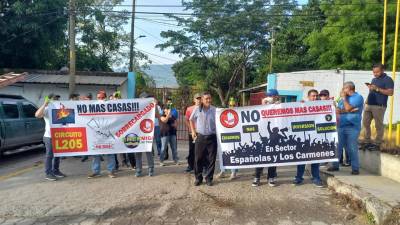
294 4
161 57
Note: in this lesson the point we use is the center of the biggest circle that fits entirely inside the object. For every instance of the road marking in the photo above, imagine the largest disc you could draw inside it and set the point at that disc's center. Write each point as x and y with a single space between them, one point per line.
22 171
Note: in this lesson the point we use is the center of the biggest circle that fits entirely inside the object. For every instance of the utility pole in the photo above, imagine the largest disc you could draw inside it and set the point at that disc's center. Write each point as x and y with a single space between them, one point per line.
131 55
272 40
243 85
72 54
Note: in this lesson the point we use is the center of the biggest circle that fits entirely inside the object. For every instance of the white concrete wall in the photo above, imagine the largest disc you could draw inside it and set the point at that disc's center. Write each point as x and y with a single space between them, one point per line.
36 92
323 79
333 81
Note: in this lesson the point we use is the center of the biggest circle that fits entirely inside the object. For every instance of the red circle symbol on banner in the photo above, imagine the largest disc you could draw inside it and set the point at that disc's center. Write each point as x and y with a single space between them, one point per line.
146 126
229 118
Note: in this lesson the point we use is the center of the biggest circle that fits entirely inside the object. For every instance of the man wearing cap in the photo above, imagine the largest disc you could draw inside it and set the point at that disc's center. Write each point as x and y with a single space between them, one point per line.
189 110
51 164
324 95
202 125
379 89
272 98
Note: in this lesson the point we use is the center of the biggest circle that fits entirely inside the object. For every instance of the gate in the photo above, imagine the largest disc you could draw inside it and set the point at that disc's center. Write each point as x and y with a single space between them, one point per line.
182 98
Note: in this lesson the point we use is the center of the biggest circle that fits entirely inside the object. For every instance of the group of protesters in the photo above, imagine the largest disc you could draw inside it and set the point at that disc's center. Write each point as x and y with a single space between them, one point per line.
200 118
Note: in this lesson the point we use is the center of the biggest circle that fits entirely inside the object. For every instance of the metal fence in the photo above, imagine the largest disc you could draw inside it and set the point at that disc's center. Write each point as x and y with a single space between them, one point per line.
182 98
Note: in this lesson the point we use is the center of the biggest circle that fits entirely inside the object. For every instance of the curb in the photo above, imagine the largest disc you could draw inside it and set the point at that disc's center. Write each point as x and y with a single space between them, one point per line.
380 210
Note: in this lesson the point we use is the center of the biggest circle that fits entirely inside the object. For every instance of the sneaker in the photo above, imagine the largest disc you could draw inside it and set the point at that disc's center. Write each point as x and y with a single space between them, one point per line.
58 174
93 175
297 182
346 164
355 172
51 177
271 182
209 183
331 169
162 164
256 182
198 183
188 170
233 176
138 174
318 183
112 175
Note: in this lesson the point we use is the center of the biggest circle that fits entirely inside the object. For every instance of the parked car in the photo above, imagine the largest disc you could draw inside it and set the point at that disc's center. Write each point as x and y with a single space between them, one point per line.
18 124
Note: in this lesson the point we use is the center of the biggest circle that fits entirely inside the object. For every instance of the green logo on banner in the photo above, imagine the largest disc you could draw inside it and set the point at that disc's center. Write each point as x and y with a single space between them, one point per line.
326 128
303 126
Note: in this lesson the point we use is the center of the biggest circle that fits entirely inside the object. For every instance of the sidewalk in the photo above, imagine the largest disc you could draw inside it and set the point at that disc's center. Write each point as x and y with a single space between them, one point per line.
380 196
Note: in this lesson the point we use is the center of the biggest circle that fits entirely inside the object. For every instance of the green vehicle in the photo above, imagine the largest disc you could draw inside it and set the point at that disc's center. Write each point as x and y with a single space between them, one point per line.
18 125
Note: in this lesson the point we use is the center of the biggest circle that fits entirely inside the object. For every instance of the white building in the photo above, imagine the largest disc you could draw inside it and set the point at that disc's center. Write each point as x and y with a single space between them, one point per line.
294 86
37 85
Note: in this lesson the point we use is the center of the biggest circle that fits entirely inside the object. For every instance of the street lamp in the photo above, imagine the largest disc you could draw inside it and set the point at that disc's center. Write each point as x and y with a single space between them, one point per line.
132 53
272 41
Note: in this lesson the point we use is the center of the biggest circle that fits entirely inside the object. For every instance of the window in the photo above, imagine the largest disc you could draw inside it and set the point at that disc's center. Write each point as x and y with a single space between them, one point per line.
288 98
29 110
10 111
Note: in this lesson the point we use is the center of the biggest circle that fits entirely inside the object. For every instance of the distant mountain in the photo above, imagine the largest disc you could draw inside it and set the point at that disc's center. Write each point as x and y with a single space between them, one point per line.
163 75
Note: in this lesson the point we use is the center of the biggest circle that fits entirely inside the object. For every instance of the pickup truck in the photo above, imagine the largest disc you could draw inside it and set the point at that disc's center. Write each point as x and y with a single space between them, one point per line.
18 125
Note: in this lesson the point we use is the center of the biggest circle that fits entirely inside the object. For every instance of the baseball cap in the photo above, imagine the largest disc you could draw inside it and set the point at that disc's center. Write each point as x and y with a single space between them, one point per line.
272 92
197 95
324 93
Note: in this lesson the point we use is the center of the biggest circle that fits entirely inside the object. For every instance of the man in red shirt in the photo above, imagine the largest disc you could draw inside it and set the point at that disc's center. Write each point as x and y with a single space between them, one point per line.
189 110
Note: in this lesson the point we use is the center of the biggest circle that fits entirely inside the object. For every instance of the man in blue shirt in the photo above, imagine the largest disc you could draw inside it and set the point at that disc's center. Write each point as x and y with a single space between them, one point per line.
379 89
202 124
350 109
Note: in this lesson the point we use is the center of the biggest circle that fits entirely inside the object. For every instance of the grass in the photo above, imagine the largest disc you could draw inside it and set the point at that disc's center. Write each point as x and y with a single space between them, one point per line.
389 145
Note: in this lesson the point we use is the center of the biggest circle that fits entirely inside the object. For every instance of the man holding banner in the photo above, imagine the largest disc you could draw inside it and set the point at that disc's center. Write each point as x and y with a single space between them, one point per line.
52 164
312 96
204 133
102 96
272 98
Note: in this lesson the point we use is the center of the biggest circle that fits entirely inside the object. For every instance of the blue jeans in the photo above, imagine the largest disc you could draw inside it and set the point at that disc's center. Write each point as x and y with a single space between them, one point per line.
348 140
52 164
314 172
139 160
157 139
171 139
96 163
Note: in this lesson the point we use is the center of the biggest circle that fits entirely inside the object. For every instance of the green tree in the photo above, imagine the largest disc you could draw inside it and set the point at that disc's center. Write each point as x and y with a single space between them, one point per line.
351 38
222 37
32 34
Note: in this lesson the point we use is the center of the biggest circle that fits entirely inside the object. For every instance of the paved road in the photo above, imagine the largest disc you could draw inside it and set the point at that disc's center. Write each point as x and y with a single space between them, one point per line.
167 198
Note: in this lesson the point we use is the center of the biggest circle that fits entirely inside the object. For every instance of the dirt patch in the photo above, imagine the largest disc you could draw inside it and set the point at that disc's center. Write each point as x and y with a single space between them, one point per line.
222 203
394 217
348 202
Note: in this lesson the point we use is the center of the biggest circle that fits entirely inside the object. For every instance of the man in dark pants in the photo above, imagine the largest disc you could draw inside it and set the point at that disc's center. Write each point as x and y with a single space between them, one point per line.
202 125
272 98
189 111
380 88
52 164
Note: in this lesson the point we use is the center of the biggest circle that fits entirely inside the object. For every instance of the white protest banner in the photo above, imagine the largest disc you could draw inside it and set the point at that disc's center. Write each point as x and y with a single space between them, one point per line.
101 127
277 134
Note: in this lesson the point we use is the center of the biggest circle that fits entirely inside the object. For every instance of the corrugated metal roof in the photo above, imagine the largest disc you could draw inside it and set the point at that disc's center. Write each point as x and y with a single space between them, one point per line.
80 80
